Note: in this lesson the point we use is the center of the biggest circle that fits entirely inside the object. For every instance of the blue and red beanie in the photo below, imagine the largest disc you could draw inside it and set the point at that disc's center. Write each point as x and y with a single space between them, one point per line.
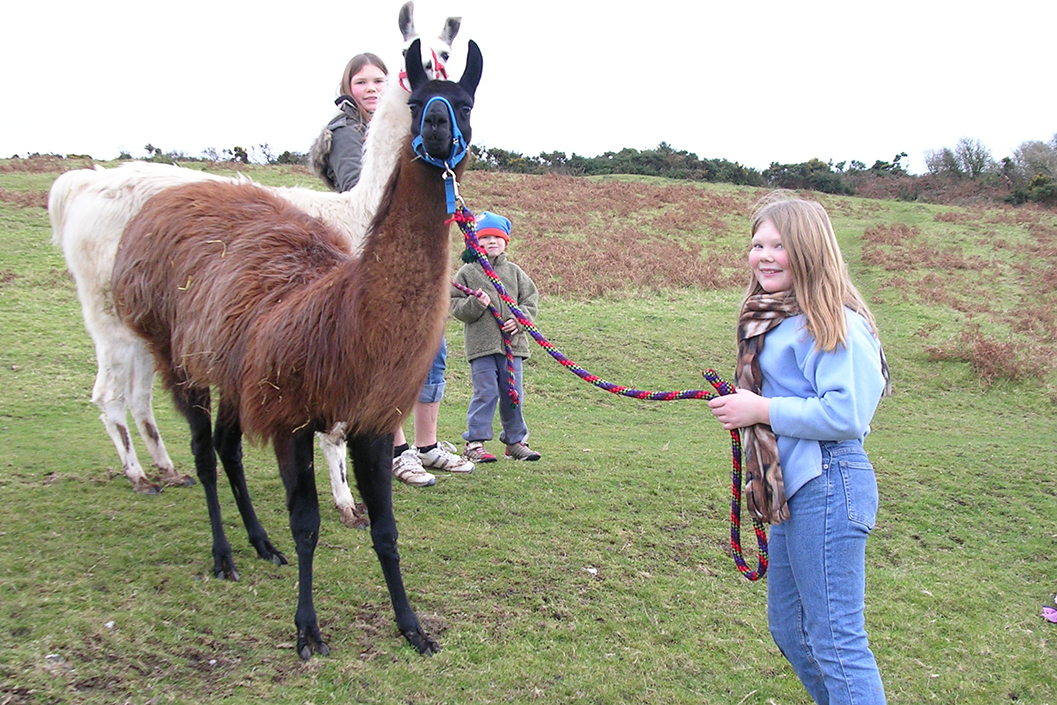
494 225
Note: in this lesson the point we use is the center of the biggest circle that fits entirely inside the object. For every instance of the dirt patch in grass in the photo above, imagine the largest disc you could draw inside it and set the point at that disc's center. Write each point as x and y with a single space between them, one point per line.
44 164
25 199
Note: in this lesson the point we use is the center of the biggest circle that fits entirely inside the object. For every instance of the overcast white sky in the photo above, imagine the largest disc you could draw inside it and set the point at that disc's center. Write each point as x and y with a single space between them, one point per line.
752 82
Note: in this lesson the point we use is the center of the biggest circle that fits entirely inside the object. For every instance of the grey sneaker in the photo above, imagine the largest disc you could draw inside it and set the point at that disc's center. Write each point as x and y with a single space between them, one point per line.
520 451
443 457
408 469
475 451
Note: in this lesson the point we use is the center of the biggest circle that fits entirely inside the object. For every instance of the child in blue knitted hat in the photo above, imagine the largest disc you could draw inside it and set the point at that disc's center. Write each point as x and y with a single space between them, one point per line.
484 343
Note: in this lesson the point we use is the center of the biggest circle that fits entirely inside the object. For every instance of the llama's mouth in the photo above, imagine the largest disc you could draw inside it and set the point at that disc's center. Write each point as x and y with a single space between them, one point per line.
436 131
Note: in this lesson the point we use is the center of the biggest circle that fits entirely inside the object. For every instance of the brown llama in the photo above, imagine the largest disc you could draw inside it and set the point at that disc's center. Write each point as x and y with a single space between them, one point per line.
234 288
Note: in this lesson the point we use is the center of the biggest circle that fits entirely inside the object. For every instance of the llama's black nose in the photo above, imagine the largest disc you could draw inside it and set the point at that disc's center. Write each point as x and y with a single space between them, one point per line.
436 131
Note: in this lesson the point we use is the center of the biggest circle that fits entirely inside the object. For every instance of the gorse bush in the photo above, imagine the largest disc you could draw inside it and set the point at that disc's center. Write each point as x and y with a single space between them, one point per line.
662 161
963 175
812 175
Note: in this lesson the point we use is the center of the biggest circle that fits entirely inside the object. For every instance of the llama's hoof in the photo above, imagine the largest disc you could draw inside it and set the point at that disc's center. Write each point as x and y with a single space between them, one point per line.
145 486
355 517
306 652
227 575
422 642
266 551
224 569
174 479
310 641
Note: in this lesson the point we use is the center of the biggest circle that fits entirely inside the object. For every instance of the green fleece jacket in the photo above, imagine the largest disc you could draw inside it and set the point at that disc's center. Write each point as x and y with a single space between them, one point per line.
481 331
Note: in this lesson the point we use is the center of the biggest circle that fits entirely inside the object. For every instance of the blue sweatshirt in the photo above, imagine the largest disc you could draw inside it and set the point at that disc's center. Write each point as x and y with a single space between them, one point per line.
818 396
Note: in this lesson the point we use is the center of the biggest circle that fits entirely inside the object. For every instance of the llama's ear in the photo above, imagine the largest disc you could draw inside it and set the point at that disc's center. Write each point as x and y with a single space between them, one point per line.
471 75
451 28
406 20
416 75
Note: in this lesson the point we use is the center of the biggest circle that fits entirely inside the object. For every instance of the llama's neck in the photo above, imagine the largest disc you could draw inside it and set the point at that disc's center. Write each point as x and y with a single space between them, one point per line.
405 259
369 330
399 296
386 135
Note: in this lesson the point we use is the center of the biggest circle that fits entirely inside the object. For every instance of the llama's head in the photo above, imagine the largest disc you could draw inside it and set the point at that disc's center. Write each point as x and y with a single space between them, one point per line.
440 110
437 50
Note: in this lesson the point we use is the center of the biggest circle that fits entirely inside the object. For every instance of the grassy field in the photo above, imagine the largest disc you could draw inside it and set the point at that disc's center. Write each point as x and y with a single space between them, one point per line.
602 573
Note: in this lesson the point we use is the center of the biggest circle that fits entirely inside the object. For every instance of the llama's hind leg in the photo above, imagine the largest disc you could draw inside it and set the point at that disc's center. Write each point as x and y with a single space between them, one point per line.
140 402
353 514
109 395
194 405
372 461
227 440
295 466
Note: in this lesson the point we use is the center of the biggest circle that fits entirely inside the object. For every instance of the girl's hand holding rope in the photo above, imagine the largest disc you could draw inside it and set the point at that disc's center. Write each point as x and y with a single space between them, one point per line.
744 408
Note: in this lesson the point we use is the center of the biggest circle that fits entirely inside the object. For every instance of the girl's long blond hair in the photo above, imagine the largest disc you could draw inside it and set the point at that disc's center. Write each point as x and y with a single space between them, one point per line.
820 277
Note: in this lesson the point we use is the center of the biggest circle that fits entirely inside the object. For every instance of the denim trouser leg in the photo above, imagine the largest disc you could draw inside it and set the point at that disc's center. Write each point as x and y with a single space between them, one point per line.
433 390
817 580
489 377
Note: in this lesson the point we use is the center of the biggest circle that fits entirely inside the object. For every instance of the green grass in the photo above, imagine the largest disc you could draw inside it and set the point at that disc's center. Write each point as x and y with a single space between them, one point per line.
600 574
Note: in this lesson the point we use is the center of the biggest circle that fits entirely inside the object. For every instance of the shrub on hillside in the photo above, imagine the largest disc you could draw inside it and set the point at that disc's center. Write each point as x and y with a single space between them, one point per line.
814 175
992 360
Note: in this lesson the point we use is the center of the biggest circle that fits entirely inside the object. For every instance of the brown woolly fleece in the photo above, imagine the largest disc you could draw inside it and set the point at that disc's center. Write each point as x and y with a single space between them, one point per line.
238 290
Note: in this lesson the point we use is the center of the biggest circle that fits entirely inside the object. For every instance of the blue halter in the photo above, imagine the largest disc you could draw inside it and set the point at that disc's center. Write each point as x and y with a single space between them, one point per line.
458 151
458 141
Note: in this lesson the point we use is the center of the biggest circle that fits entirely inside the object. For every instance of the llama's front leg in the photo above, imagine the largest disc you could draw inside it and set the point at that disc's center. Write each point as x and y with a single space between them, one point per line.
372 461
227 439
353 514
194 404
295 466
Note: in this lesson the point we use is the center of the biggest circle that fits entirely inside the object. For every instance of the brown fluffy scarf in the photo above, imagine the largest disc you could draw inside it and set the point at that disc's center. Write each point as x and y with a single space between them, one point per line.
765 489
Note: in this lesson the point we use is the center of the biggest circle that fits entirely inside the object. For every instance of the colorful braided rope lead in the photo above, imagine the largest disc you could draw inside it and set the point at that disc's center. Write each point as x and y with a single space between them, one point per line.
468 224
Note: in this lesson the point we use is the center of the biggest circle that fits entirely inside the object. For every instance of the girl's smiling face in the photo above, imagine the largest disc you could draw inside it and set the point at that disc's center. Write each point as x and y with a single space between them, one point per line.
768 260
367 87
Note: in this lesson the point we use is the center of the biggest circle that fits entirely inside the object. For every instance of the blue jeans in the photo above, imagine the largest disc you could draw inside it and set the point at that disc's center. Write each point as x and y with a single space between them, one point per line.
816 583
489 376
433 390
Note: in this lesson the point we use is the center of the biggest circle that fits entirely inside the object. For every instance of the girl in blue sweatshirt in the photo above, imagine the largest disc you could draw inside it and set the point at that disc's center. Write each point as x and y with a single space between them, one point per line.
810 374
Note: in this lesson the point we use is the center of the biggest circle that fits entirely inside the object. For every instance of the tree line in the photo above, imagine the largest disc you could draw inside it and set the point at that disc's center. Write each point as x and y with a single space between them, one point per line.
966 172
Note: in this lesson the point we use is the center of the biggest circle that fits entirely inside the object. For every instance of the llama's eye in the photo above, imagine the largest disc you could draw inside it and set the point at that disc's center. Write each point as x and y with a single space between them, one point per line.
445 55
